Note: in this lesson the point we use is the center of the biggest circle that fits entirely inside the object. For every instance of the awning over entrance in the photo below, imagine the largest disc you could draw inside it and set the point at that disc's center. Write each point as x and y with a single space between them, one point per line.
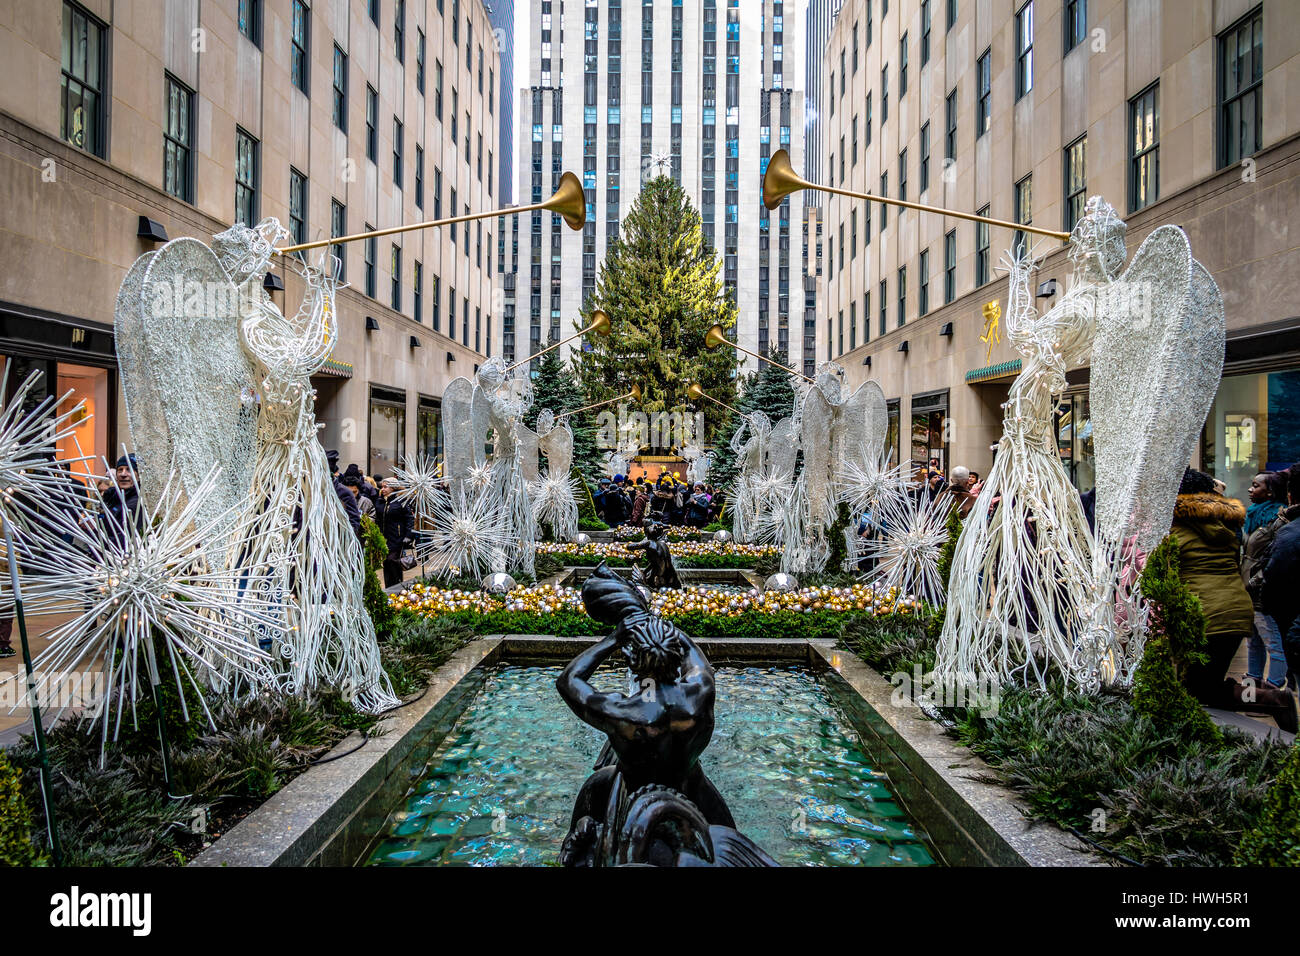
992 373
337 368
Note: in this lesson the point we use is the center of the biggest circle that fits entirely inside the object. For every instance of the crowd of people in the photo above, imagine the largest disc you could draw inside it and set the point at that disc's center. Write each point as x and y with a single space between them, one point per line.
373 496
667 500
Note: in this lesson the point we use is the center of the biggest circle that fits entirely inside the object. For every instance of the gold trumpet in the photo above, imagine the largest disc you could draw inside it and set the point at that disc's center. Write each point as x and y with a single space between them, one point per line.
715 337
568 201
781 180
695 393
599 325
634 393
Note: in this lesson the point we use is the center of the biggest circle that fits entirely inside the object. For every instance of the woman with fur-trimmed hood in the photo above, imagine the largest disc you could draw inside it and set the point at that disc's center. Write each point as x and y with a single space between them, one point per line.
1207 527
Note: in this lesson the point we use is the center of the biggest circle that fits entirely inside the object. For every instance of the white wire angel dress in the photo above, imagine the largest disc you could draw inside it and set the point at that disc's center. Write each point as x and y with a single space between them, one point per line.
294 527
554 495
1021 571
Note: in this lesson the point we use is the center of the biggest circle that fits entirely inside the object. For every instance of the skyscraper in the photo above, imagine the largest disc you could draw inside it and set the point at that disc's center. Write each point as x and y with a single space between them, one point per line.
656 87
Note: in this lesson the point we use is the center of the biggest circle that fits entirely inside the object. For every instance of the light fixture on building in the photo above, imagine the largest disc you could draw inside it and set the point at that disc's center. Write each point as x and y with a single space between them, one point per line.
903 346
1046 289
451 357
415 342
151 230
273 283
867 361
946 330
372 324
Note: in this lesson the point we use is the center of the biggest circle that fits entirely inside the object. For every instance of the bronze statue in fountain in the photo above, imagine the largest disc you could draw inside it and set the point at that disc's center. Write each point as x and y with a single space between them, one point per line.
648 802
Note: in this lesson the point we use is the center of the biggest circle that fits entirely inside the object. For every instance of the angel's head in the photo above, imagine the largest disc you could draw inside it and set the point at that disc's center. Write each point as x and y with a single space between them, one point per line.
1099 237
245 251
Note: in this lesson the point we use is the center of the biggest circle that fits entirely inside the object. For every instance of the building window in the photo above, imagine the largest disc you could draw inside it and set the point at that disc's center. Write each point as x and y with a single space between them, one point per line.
982 249
82 103
340 89
374 11
925 158
1024 211
250 20
396 274
925 32
419 61
949 266
923 303
855 141
299 58
950 126
399 30
884 96
372 253
437 89
419 177
297 206
435 298
245 178
178 141
902 66
884 209
853 326
855 49
397 152
1249 428
902 296
867 124
338 227
984 93
853 235
1076 23
455 111
1144 149
902 177
372 124
1025 49
387 430
839 350
1076 181
417 292
437 193
1241 76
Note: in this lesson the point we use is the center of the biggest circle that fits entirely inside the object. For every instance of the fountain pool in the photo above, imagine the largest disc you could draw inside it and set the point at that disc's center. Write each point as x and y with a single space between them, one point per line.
499 789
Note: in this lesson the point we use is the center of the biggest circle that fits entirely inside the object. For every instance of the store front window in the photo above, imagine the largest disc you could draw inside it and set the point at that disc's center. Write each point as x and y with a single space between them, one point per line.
893 437
930 429
1253 426
1074 441
92 387
428 428
387 431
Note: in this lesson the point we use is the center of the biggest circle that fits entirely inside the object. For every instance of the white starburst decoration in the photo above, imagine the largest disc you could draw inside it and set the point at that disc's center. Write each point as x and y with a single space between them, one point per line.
875 487
479 478
419 484
143 596
913 533
555 502
468 534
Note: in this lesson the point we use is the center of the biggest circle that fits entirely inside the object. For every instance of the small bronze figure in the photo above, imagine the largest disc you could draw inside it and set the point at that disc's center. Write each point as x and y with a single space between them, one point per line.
662 573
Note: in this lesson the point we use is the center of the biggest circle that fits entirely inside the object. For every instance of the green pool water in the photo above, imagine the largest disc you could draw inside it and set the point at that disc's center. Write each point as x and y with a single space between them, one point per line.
499 790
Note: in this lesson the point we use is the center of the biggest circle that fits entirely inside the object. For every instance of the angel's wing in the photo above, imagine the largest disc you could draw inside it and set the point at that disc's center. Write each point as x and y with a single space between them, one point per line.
863 422
458 455
204 380
815 440
783 449
141 390
529 443
1156 364
480 426
558 446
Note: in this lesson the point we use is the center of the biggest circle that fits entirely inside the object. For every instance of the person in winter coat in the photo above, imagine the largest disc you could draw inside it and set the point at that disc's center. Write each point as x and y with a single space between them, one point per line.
394 520
1268 497
1280 579
640 505
346 497
1206 526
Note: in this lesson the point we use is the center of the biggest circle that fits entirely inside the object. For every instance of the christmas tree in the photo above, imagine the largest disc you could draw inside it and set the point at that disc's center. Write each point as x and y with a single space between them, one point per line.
660 285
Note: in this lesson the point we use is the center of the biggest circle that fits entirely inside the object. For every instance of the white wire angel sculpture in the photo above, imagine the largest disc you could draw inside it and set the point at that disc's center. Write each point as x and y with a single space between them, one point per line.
1031 592
555 496
293 534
